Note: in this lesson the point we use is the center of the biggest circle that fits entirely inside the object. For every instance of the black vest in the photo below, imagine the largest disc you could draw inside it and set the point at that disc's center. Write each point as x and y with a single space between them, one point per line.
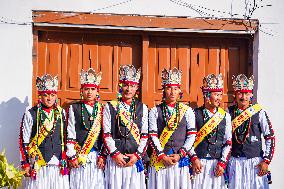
81 132
205 147
176 141
51 145
125 144
249 149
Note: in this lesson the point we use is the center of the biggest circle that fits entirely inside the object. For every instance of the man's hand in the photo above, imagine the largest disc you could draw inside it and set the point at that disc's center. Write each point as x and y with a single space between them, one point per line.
27 171
101 163
132 161
219 171
197 166
168 160
74 163
263 168
175 158
119 160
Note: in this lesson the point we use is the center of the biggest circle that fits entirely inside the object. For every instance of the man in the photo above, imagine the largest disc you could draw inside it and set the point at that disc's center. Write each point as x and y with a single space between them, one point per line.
125 123
42 139
84 142
213 141
172 132
248 165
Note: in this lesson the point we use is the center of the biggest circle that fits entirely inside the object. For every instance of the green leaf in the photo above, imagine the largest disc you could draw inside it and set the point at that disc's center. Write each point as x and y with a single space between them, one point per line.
10 172
9 175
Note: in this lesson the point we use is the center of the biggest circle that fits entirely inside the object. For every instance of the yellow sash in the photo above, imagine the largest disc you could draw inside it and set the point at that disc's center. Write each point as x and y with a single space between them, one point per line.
91 138
245 115
39 138
125 118
209 126
166 134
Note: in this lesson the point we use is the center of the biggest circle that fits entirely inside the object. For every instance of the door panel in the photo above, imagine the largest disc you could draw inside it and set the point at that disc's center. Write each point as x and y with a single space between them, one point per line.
196 58
65 54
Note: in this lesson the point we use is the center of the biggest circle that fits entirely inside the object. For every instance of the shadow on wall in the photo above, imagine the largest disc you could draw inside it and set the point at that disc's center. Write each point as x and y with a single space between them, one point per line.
11 113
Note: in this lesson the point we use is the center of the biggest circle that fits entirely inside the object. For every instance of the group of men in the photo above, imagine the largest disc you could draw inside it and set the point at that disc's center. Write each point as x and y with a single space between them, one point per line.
111 146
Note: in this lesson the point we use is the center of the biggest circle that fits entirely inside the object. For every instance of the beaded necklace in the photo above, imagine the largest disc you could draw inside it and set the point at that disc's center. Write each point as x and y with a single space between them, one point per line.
167 113
242 130
132 111
206 117
91 116
42 116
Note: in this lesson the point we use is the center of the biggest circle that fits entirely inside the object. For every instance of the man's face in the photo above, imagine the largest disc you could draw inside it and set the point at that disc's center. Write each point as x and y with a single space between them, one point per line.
215 98
48 99
172 93
243 98
129 90
89 93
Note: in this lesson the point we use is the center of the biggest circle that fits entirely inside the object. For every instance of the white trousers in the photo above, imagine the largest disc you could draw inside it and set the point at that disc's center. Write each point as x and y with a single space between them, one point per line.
48 177
206 179
87 177
243 174
172 177
123 177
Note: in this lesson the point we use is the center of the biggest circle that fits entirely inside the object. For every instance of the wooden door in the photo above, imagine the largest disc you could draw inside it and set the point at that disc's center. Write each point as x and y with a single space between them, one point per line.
196 57
65 54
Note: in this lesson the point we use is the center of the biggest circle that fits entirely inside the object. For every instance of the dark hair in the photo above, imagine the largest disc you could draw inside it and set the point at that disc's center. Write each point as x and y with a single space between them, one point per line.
206 94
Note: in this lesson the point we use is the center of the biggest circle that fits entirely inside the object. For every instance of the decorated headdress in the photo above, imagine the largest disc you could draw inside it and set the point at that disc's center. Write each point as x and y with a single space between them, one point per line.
47 84
213 83
242 84
171 77
128 74
89 78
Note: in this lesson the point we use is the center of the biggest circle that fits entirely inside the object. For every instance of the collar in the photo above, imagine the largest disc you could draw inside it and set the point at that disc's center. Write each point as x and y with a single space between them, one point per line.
128 102
90 103
242 109
212 110
46 109
172 105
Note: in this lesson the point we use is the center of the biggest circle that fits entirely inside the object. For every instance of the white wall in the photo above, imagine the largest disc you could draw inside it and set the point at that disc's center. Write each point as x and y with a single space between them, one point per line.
16 51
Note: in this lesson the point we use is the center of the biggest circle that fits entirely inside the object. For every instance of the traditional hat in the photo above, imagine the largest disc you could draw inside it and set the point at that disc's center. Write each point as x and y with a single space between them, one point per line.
213 83
242 84
128 74
171 77
47 84
89 78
